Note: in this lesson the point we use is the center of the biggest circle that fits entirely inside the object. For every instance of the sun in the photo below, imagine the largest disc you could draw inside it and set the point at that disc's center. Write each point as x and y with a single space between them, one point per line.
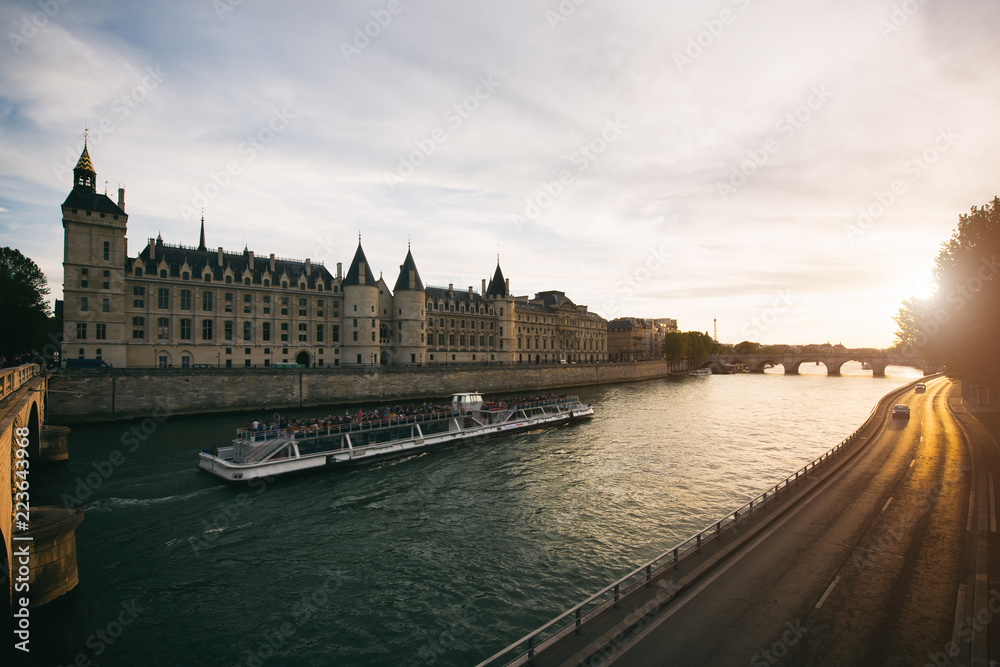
922 286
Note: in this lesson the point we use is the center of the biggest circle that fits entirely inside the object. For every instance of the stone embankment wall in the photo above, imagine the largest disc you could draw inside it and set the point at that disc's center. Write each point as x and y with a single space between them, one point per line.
115 394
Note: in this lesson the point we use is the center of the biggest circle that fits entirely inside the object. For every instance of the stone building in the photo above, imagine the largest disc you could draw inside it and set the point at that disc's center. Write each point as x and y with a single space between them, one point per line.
637 339
184 306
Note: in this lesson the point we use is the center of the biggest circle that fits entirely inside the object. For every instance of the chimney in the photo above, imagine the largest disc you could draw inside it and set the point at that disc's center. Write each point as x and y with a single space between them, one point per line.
507 281
484 286
272 262
251 260
220 255
361 273
340 268
121 197
152 248
470 290
451 288
308 267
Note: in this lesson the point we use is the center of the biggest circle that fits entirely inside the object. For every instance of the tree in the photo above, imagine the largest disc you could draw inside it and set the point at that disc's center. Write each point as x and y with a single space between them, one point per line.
674 346
24 310
958 327
747 347
693 345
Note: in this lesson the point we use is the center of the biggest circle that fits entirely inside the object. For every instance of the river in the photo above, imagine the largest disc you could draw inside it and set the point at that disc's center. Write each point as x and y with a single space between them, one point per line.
438 558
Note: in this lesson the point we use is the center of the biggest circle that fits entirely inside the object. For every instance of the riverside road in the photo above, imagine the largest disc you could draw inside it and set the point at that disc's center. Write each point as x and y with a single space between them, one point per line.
892 559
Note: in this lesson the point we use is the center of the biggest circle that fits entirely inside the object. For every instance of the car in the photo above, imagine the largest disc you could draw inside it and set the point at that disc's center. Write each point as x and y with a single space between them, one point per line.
901 411
920 388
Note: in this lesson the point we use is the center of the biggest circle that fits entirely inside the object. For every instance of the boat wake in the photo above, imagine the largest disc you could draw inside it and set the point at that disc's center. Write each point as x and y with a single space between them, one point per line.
110 504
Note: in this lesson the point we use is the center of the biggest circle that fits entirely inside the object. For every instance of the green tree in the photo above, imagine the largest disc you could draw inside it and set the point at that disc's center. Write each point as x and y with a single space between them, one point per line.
958 327
693 345
24 310
747 347
675 346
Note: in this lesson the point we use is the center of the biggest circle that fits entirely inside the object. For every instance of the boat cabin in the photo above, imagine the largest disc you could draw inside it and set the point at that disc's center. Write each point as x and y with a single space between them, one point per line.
466 402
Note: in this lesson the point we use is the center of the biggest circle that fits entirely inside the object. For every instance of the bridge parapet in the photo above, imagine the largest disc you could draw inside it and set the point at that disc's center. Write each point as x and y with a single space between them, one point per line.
877 359
12 378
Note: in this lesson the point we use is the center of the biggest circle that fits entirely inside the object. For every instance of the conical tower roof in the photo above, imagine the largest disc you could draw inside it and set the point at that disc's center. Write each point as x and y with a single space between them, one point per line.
498 286
403 282
360 273
84 161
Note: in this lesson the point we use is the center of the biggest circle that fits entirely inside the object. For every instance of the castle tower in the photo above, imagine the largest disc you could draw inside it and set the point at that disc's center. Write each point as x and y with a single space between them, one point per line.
94 252
408 301
502 301
361 314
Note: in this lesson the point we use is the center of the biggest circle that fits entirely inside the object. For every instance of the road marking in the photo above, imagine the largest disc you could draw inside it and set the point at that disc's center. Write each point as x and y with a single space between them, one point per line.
886 504
959 612
993 507
972 505
829 589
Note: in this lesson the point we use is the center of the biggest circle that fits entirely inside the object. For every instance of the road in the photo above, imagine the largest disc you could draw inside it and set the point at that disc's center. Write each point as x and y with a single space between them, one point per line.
878 567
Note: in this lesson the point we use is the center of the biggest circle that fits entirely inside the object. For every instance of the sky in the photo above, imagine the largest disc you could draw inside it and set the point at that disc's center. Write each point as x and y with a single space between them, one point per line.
789 169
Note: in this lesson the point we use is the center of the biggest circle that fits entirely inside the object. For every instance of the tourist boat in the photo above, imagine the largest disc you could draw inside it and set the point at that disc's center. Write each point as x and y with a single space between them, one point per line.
263 453
699 372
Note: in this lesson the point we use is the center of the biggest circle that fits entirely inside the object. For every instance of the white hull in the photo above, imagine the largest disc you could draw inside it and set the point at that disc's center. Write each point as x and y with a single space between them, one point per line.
223 466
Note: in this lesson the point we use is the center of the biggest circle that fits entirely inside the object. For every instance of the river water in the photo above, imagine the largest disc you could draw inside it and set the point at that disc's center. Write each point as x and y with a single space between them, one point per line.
439 558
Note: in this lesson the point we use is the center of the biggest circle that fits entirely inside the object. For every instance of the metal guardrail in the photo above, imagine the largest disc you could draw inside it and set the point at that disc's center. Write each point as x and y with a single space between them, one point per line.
524 649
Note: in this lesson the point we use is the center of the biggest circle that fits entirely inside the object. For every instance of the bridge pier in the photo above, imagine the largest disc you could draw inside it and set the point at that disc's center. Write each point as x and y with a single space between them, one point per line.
878 370
51 570
54 445
791 369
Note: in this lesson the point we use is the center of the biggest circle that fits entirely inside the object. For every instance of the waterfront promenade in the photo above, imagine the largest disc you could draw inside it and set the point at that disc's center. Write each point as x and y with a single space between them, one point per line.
888 555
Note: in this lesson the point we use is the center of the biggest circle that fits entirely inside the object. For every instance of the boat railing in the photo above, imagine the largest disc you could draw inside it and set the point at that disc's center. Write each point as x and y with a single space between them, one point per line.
523 650
309 431
265 450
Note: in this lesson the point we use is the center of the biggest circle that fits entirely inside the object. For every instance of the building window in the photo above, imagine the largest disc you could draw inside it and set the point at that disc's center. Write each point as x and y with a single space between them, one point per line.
185 329
451 340
101 331
83 304
319 333
355 336
107 280
185 361
284 332
227 330
229 280
107 250
138 328
185 276
208 277
138 273
138 297
83 277
335 334
163 273
185 299
246 281
266 331
206 301
303 335
247 330
163 298
206 329
162 328
105 305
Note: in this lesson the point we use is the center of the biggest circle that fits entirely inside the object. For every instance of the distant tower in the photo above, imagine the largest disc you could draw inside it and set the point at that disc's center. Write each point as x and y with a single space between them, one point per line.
361 316
94 254
502 302
409 303
715 330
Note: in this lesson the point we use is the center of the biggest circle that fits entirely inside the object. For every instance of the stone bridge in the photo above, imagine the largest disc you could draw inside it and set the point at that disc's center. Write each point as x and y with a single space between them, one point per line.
39 542
756 363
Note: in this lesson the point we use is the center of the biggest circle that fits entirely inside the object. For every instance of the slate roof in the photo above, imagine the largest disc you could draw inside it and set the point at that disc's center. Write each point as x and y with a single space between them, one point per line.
403 282
354 272
176 256
497 286
88 200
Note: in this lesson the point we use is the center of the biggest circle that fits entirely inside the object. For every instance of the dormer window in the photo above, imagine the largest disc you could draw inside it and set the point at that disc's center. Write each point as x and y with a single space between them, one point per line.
208 277
229 280
163 273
